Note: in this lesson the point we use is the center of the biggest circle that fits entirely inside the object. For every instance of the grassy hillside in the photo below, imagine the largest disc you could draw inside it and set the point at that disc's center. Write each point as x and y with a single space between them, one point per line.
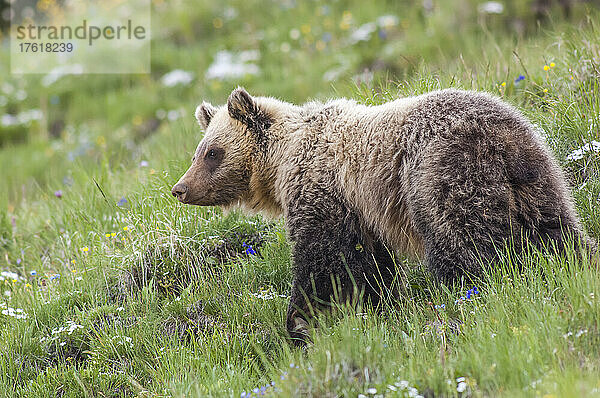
111 288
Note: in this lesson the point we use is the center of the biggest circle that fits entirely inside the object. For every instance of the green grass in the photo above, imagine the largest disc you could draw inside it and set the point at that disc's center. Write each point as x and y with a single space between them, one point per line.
170 304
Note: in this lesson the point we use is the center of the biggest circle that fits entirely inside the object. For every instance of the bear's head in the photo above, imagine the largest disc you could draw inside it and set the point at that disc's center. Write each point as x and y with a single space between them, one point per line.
224 164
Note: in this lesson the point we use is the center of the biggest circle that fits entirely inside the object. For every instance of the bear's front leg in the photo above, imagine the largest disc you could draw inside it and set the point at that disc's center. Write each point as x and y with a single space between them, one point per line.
332 258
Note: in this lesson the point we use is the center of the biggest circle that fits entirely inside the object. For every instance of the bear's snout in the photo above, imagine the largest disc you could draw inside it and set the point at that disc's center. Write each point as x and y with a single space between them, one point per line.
179 191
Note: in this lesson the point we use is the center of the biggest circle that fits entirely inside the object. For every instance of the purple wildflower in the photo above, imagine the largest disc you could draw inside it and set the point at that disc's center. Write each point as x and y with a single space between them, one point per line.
58 194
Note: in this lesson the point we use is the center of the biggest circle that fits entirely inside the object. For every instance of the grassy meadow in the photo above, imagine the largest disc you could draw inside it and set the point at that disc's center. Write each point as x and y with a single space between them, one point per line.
111 288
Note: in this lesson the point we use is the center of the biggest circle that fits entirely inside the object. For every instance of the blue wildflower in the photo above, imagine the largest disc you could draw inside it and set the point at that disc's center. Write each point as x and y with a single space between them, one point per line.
122 202
33 273
249 249
470 293
55 276
518 79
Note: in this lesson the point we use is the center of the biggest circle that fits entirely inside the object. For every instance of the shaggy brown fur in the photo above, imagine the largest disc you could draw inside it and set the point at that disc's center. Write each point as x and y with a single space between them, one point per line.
450 176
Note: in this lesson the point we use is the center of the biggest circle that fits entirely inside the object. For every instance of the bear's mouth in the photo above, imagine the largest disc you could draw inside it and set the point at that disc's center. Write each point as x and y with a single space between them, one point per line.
203 200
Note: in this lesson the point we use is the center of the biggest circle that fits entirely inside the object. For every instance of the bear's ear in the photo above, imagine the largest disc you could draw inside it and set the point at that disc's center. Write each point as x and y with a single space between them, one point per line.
243 108
205 112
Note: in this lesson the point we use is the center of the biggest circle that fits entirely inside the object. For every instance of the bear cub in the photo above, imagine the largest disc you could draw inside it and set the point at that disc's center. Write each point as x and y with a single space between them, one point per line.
449 177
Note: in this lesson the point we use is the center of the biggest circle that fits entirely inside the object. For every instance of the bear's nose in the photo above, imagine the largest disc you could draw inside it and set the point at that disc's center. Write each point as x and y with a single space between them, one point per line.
179 190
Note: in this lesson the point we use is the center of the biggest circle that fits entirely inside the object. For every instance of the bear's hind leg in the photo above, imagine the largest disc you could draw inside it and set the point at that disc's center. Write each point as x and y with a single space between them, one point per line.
462 205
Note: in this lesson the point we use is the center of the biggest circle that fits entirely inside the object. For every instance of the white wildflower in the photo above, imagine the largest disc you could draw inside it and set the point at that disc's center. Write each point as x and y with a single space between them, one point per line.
334 74
161 114
173 115
285 47
60 71
227 65
386 21
593 146
11 276
363 32
21 118
17 313
69 328
230 13
491 7
21 95
581 332
123 340
176 77
266 294
7 88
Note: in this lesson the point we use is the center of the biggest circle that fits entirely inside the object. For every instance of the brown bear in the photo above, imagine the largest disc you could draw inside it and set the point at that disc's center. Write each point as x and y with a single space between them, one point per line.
450 176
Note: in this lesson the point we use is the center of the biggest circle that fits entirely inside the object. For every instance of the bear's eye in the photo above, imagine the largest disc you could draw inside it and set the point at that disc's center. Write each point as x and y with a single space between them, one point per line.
213 158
